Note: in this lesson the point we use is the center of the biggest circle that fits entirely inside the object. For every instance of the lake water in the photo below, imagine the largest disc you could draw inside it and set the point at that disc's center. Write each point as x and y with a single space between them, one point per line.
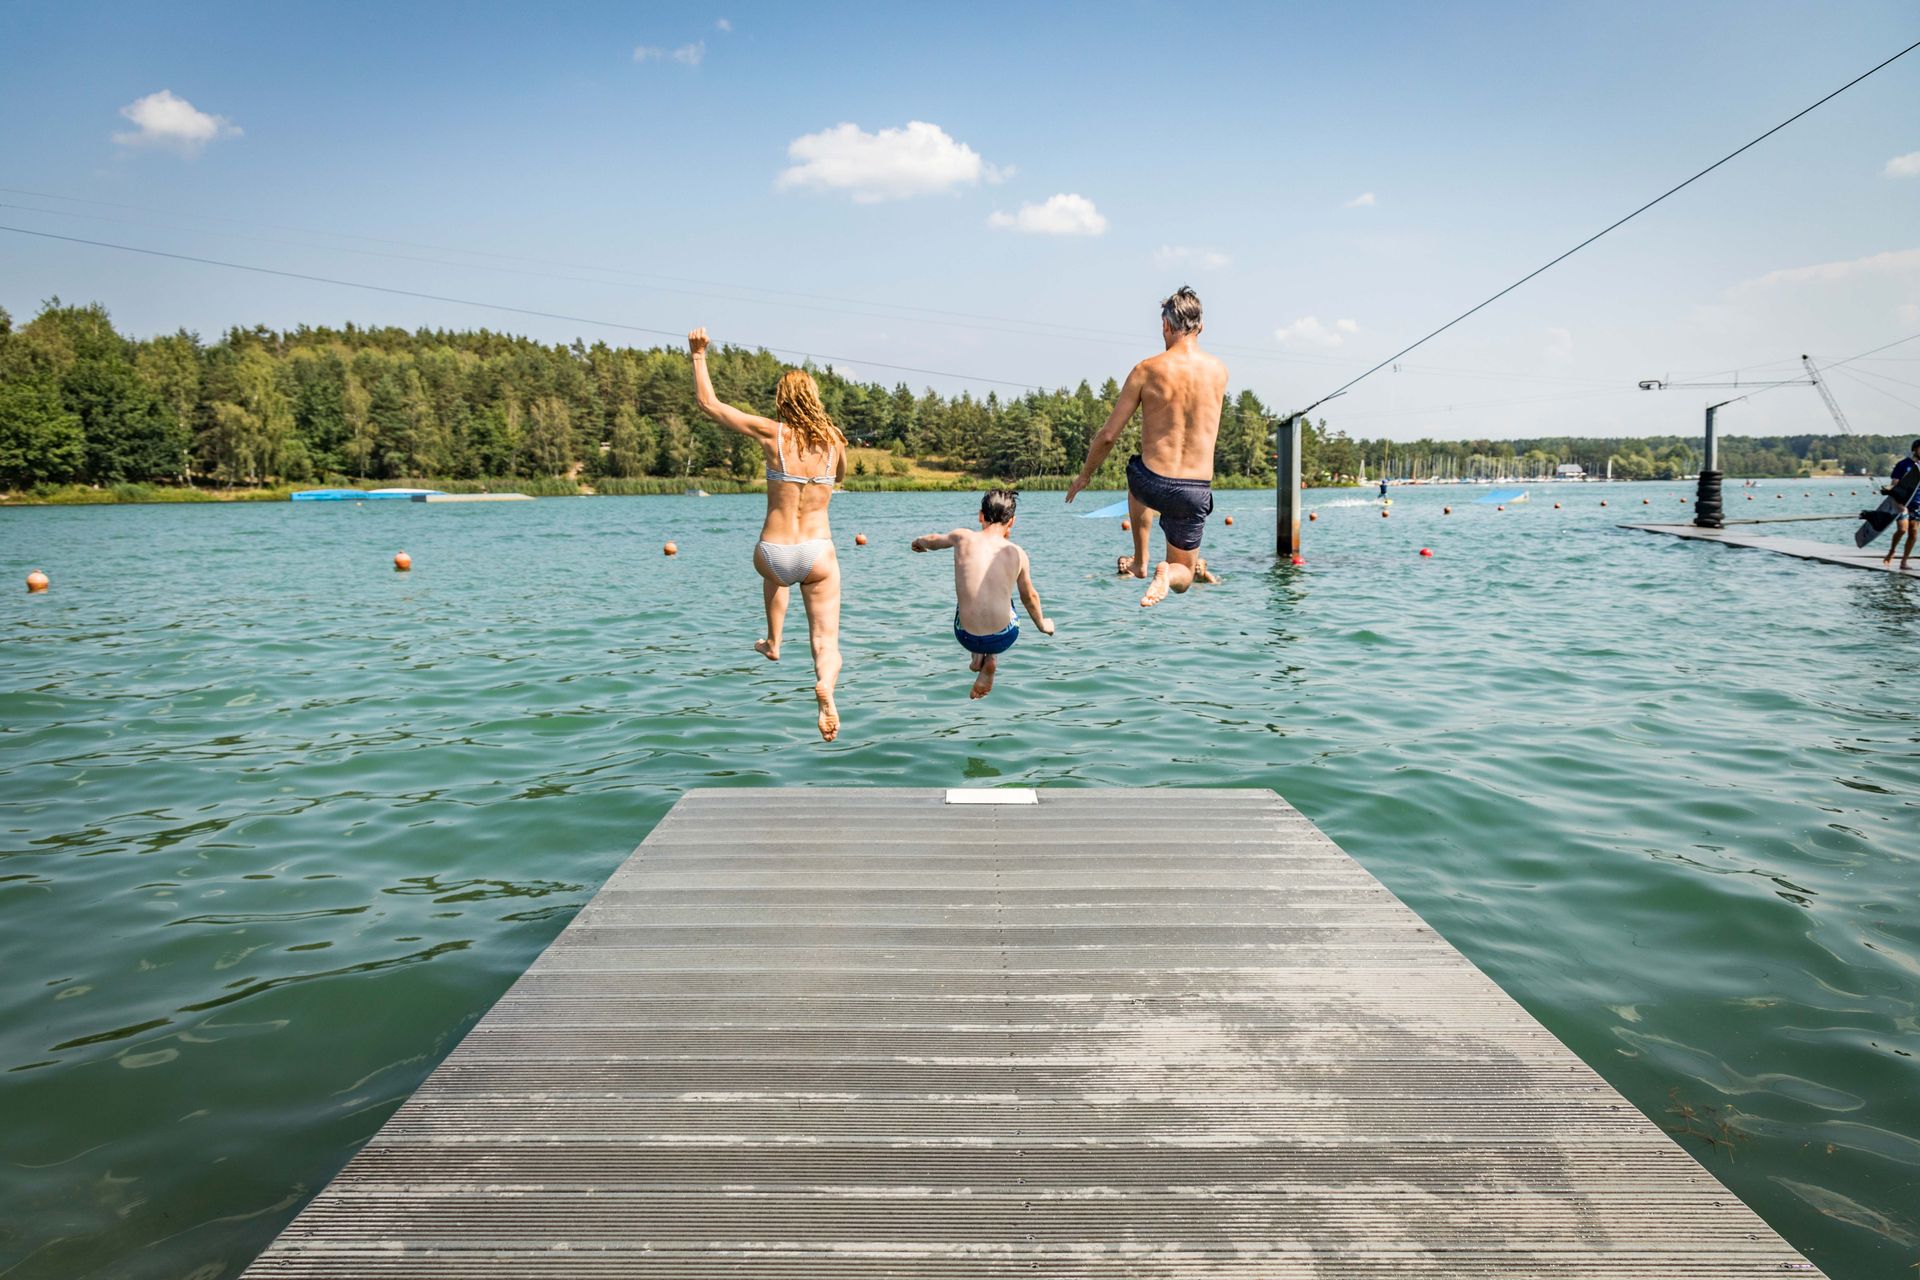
277 824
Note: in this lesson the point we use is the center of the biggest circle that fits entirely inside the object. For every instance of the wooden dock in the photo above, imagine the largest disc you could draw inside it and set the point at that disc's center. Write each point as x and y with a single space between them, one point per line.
1799 548
850 1034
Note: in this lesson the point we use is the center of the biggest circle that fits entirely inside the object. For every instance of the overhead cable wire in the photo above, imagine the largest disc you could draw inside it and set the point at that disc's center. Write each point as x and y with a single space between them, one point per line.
1340 390
501 306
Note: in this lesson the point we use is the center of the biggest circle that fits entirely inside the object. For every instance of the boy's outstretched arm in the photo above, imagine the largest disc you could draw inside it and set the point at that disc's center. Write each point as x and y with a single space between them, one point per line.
1031 598
936 541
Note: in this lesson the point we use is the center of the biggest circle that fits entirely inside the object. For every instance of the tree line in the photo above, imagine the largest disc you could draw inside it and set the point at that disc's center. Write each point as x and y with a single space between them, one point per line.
82 403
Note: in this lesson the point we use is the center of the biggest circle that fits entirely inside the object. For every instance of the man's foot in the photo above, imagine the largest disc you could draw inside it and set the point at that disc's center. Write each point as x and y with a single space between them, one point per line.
1157 589
979 660
1203 574
983 684
767 649
1125 567
829 714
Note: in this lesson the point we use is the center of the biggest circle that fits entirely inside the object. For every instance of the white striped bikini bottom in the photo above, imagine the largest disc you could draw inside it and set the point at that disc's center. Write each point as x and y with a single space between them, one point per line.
790 562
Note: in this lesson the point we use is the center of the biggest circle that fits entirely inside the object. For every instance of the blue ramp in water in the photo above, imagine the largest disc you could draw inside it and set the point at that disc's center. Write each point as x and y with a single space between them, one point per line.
1503 496
1112 511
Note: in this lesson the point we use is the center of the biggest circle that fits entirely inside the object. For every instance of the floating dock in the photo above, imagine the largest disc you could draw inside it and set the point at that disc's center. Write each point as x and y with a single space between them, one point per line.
1113 1035
473 497
1799 548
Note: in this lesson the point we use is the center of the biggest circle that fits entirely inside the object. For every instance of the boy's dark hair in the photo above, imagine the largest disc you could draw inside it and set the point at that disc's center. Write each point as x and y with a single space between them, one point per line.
997 506
1916 445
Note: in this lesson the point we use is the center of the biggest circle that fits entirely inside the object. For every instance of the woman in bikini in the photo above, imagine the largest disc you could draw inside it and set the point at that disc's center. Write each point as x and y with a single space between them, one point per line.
806 456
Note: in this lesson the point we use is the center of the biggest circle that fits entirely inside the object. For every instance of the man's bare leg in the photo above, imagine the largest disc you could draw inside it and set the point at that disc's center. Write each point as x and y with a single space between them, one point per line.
1913 532
776 598
1141 518
1175 573
983 684
821 594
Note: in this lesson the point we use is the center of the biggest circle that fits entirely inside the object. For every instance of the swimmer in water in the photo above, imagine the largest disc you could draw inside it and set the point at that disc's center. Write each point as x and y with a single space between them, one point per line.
987 568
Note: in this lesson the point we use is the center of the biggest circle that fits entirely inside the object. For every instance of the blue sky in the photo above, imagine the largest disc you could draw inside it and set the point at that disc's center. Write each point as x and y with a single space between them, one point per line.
1005 192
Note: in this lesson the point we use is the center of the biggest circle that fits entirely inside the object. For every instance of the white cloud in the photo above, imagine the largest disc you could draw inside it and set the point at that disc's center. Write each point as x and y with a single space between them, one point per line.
1173 255
892 164
1559 342
165 120
723 24
1906 166
1062 215
1364 200
687 55
1309 332
1893 262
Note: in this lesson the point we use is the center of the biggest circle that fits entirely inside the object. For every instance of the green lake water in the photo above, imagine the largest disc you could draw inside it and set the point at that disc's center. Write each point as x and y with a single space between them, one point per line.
277 824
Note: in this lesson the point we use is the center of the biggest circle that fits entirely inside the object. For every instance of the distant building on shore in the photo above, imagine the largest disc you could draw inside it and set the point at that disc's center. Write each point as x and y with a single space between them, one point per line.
1569 471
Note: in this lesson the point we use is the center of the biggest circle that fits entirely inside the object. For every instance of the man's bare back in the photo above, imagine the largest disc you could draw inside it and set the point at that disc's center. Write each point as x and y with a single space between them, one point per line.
1181 391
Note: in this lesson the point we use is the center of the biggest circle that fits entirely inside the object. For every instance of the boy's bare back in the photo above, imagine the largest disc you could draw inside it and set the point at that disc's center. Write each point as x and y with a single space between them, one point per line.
986 567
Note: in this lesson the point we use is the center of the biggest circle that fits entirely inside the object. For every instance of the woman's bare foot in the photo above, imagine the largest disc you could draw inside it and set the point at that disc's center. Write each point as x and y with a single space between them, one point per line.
1124 566
767 649
1157 589
983 683
829 714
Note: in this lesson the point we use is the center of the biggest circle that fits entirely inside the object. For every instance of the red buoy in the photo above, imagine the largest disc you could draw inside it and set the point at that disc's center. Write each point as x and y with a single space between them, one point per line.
1425 552
1299 559
1229 519
859 539
1126 526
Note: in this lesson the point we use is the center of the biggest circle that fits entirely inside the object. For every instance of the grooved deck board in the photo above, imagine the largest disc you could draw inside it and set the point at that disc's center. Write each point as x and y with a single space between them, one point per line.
852 1034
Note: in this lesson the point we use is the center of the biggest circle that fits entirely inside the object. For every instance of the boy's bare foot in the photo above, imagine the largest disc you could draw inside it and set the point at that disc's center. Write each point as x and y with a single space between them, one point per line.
829 714
983 684
1157 589
767 649
1203 574
1124 566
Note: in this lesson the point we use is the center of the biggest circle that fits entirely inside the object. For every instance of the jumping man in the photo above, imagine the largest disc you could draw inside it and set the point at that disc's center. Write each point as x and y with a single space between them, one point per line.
1178 393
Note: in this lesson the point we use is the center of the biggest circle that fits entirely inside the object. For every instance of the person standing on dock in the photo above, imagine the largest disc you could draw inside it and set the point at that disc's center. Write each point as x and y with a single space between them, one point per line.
1909 518
1179 394
806 456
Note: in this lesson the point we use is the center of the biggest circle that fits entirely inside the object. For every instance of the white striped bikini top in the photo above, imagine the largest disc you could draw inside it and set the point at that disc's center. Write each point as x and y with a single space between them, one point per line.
780 472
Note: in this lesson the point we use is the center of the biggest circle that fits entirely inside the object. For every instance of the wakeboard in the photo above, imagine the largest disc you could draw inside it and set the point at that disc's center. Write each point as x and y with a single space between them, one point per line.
1874 523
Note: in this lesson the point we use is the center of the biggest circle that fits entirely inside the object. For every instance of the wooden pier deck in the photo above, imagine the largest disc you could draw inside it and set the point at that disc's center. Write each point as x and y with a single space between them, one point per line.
1799 548
850 1034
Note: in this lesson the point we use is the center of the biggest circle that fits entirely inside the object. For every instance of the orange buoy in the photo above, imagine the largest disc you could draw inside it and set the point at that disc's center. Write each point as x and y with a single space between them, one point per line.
1499 508
1644 501
1126 526
1603 502
1749 497
670 549
1229 519
1312 516
36 581
1446 511
1425 552
1385 514
859 539
402 562
1556 506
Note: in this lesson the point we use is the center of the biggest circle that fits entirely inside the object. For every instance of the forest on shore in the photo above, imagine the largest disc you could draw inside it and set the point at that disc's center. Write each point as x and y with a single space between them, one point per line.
88 412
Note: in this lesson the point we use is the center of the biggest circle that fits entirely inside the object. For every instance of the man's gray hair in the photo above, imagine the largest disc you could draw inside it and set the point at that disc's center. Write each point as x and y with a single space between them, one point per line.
1182 310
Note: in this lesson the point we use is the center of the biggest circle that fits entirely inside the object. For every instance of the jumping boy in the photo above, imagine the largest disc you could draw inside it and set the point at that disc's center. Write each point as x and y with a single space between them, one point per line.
987 567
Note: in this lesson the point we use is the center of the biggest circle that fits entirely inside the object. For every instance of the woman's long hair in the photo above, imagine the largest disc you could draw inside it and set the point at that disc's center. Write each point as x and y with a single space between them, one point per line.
797 402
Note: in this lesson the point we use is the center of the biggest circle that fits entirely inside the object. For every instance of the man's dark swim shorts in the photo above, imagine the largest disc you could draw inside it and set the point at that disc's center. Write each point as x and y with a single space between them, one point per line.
1184 505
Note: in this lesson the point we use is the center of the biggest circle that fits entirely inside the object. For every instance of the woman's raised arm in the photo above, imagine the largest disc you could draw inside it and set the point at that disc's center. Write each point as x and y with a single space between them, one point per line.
751 424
